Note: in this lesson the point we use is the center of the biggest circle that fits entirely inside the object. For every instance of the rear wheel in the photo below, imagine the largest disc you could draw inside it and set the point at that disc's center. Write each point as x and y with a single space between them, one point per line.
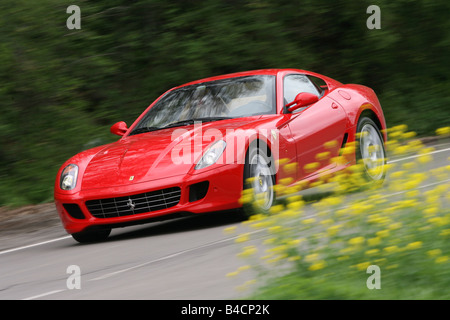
259 180
89 236
371 151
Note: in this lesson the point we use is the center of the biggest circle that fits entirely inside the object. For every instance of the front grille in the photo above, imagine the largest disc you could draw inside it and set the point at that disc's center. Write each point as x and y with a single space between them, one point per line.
134 204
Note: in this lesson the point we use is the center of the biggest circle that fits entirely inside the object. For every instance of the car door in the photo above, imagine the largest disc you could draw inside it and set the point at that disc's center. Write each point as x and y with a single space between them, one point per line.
313 127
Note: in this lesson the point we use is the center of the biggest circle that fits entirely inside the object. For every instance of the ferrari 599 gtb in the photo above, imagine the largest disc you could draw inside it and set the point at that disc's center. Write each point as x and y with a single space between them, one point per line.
200 145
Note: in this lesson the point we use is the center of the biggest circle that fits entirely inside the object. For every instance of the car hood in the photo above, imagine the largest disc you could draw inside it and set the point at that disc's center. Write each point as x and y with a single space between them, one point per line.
155 155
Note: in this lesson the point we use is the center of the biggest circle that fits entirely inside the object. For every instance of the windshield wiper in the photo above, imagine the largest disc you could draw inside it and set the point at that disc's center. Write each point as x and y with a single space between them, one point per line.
192 121
143 130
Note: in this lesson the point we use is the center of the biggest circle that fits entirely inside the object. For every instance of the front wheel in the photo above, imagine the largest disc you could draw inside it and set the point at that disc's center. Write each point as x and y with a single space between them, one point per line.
371 151
259 180
89 236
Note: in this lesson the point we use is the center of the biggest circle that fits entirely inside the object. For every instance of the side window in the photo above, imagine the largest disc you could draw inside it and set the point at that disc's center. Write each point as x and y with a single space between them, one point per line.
320 84
295 84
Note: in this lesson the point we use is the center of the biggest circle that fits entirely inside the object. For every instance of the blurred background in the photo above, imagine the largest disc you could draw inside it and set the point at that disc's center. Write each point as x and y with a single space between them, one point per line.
62 89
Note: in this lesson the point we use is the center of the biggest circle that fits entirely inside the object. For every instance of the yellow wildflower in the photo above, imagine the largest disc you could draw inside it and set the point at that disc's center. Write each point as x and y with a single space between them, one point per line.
443 131
310 167
408 135
322 156
441 259
438 221
229 230
363 266
382 233
248 251
278 249
333 201
269 241
295 205
391 249
317 265
430 211
356 241
434 252
276 209
372 252
326 221
312 257
243 268
395 226
286 181
242 238
414 245
275 229
425 158
399 128
290 168
309 221
294 258
232 274
333 230
409 166
374 241
330 144
295 242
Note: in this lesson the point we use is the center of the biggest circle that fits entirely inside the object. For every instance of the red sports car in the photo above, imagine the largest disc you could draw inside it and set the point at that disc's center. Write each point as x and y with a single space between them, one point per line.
194 149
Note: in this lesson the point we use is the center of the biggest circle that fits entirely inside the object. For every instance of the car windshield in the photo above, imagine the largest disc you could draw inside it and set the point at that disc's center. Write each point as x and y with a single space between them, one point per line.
211 101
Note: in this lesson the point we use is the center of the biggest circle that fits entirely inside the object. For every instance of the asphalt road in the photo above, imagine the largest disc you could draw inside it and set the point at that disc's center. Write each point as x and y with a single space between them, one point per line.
180 259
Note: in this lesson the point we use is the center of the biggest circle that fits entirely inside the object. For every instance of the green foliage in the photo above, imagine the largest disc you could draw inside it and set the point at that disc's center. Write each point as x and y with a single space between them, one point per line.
62 89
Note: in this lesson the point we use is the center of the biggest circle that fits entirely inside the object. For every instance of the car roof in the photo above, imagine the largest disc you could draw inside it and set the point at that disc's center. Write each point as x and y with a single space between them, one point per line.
243 74
331 83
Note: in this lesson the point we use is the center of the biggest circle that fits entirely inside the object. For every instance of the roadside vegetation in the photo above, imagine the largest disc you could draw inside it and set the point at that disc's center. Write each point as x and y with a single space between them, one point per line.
62 89
322 248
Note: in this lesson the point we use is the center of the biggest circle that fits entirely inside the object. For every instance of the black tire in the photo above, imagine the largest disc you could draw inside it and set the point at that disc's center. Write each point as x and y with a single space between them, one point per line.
89 236
259 180
371 151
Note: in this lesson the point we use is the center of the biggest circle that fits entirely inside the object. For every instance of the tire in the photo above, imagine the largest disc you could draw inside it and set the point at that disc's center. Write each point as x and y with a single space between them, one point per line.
371 151
89 236
259 180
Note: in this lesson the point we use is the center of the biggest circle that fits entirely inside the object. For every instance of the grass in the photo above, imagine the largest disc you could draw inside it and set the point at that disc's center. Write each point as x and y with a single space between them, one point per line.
322 248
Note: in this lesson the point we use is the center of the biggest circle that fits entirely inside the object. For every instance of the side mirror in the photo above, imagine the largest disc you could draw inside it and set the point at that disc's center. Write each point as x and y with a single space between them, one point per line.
119 128
302 100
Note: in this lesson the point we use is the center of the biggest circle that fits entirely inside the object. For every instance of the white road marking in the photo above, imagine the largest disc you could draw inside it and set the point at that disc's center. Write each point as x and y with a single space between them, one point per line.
419 187
34 245
43 295
67 237
418 155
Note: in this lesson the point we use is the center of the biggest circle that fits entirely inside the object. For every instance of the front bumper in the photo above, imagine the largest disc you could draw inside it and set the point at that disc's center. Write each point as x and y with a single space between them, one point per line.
223 193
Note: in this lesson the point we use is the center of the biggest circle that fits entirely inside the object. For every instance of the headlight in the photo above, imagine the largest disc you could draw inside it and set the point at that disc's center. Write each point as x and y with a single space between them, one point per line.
68 179
211 155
